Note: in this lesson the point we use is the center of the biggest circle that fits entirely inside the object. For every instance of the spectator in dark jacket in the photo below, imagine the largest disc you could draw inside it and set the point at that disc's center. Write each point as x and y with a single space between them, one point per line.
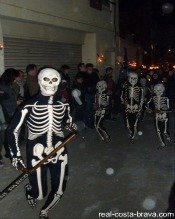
6 82
64 70
18 87
3 125
78 98
90 81
81 70
32 86
171 85
9 104
64 92
111 90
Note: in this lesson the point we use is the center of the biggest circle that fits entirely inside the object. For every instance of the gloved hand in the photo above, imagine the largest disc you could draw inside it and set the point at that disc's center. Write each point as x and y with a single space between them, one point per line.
18 163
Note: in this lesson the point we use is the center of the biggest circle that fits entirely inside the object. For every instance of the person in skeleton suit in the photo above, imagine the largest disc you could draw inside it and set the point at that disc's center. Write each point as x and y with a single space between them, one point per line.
100 106
43 115
161 109
146 94
132 99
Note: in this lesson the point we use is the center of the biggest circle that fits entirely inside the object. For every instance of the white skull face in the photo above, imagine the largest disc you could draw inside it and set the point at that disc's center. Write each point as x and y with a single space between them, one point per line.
48 80
133 78
159 89
101 86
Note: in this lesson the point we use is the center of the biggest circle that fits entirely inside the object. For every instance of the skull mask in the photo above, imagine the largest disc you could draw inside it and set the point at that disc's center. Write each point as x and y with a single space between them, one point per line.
159 89
48 80
133 78
101 86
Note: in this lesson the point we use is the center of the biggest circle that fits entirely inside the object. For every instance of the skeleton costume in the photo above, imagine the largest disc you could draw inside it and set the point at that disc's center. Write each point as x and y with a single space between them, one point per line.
145 96
161 108
132 98
43 115
101 104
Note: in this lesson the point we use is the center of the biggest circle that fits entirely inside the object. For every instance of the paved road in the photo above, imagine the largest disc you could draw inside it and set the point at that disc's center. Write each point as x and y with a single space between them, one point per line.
141 176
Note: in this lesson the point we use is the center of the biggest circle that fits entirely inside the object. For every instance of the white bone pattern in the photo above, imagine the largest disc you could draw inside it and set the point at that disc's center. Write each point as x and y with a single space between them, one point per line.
103 102
161 104
134 97
101 86
46 119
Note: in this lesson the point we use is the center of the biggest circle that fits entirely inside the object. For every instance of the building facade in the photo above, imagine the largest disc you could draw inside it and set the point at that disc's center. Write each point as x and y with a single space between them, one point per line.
56 32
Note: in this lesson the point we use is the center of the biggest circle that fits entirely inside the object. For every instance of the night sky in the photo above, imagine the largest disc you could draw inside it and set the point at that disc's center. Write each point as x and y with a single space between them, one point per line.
144 22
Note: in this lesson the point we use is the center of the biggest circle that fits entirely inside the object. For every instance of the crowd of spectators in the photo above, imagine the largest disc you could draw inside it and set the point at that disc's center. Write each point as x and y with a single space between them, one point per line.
17 86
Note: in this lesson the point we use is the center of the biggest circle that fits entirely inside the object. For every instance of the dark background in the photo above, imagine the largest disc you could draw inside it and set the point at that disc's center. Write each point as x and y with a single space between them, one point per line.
143 22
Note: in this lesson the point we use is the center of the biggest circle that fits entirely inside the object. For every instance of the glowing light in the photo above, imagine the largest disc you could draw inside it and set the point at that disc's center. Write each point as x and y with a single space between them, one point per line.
132 64
153 67
1 46
100 58
110 171
144 66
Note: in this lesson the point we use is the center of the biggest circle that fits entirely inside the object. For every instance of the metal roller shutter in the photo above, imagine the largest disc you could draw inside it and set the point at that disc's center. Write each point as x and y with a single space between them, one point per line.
18 53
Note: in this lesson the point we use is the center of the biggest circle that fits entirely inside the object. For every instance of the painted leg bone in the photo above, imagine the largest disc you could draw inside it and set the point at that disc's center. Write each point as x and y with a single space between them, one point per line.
54 197
135 127
159 134
105 134
32 202
166 132
128 125
97 126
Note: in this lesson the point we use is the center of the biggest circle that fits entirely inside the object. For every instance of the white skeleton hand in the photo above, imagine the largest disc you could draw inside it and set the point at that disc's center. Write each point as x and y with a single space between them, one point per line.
18 163
71 126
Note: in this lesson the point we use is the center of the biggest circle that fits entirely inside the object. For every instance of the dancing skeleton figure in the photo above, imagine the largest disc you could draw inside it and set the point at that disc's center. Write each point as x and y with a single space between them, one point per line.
132 98
146 94
101 104
161 108
43 115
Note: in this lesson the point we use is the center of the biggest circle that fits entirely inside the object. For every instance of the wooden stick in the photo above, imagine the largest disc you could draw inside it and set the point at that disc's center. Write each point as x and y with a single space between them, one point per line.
26 172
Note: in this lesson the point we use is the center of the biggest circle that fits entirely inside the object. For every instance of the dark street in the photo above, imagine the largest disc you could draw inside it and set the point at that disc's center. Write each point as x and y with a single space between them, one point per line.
103 177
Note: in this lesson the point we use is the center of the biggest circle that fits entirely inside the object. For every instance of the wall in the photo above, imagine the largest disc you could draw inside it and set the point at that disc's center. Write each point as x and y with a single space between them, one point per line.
73 14
69 21
1 51
19 29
